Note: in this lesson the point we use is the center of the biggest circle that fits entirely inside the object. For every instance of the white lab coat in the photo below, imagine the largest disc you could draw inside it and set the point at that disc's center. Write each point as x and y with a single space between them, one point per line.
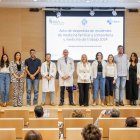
48 86
65 69
84 73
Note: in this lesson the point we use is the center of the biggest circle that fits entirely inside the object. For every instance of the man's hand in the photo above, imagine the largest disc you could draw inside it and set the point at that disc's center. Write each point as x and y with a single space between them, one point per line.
32 77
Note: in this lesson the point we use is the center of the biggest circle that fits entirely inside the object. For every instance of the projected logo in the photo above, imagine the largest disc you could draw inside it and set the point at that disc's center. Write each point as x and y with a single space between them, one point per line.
111 21
84 22
56 22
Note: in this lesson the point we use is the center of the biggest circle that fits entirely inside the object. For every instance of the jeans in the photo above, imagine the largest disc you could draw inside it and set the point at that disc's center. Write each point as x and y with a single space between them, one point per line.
29 84
51 96
4 86
99 83
120 86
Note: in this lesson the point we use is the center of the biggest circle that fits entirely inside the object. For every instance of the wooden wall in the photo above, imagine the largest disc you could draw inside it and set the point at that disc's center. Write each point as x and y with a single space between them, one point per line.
21 30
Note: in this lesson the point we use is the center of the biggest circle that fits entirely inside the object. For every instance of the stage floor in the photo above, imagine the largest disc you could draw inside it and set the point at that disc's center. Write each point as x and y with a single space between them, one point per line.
31 108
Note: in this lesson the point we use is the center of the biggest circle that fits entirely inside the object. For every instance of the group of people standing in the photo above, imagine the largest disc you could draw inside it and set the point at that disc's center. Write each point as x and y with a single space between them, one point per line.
14 72
104 76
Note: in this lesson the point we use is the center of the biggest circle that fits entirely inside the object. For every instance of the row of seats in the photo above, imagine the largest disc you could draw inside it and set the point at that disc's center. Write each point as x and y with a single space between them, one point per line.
64 113
10 133
105 123
73 133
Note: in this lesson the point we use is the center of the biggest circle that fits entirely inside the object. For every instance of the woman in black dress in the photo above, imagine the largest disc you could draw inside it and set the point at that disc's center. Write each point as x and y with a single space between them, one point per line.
133 79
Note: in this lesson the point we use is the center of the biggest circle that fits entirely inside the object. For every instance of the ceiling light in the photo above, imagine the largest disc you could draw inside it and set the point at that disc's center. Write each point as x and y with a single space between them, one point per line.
35 0
58 14
92 12
88 0
114 13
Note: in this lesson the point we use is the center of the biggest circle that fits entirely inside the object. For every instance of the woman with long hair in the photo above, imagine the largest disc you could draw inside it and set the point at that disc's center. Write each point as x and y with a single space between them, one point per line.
133 79
111 76
17 69
4 79
98 77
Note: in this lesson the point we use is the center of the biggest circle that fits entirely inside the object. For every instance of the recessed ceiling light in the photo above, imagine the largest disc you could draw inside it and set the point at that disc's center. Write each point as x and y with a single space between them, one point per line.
114 13
92 12
35 0
88 0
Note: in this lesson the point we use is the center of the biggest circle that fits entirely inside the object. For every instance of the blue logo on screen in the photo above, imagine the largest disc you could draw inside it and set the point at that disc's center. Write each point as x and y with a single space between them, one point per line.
109 21
56 22
84 22
113 21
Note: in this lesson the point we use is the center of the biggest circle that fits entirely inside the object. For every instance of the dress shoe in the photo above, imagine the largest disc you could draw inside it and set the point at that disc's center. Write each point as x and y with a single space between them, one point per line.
131 103
121 104
72 104
134 103
117 103
61 104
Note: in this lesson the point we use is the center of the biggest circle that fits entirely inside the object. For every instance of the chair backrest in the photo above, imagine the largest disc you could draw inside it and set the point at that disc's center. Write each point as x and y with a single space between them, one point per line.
75 133
17 123
124 133
47 133
43 122
51 113
95 113
16 113
129 112
7 133
76 123
107 123
67 113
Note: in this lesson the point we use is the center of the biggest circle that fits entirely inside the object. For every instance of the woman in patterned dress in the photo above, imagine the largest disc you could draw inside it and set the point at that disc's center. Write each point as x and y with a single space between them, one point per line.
17 70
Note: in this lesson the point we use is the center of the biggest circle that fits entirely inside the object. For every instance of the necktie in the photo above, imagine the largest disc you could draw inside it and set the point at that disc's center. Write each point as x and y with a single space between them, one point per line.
66 60
48 67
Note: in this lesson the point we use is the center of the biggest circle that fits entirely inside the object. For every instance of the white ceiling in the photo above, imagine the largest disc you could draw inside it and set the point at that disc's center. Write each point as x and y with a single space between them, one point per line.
69 3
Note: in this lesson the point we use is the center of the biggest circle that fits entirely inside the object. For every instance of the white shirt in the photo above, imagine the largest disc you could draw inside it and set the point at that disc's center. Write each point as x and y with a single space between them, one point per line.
4 69
83 72
111 70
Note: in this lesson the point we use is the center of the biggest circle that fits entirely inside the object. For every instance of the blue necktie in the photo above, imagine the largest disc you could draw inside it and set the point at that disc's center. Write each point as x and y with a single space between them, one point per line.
66 60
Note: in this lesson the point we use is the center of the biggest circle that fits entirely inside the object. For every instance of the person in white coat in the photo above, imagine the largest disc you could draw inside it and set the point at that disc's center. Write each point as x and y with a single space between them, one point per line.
48 72
65 70
84 73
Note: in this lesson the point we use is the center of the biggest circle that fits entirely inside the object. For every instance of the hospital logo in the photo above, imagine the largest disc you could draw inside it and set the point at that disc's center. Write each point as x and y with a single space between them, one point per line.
84 22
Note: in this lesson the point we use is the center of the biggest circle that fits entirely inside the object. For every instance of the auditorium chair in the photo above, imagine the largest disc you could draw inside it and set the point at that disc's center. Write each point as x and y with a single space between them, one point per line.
43 122
7 134
124 133
17 123
76 123
47 133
